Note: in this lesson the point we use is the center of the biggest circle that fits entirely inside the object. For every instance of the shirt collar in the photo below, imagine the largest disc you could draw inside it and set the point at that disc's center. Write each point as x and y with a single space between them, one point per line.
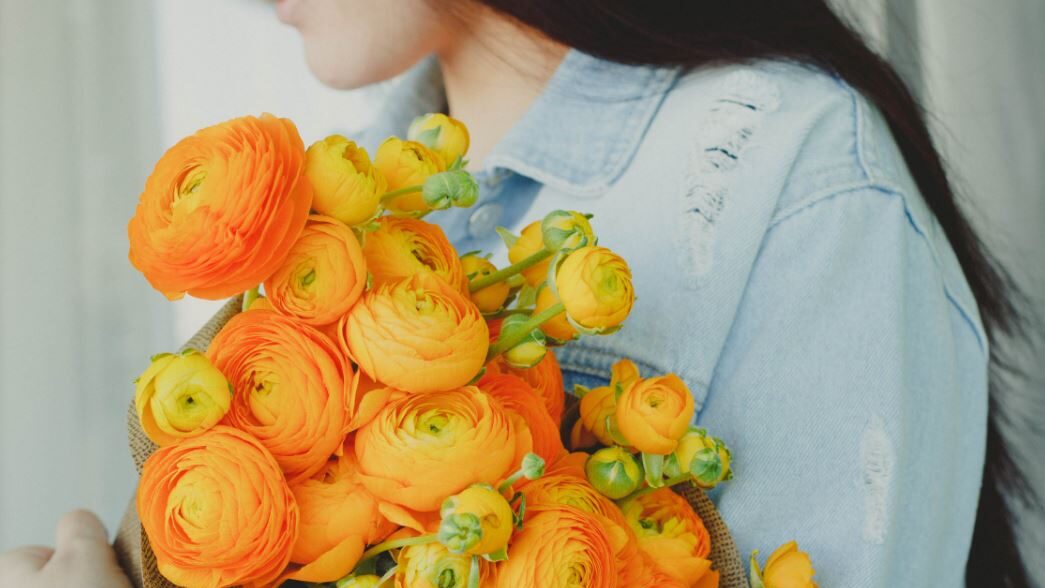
577 137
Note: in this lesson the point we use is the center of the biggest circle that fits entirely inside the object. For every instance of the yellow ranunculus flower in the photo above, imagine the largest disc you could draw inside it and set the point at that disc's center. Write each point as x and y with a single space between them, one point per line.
594 284
180 395
445 135
787 567
431 565
530 241
598 407
558 327
476 521
653 414
347 186
705 458
566 229
367 581
491 298
405 164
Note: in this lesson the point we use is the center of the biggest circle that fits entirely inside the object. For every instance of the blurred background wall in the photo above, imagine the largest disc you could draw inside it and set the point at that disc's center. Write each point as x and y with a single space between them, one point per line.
92 92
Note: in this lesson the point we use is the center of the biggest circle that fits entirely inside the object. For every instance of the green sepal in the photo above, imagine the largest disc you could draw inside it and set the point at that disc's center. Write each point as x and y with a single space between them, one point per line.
507 236
429 137
654 466
580 391
672 469
160 356
614 432
473 573
706 466
756 572
499 555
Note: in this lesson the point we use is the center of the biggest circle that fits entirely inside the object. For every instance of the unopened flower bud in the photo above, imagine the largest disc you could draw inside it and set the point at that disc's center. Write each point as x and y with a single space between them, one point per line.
476 521
528 352
614 472
450 188
442 134
705 458
491 298
566 229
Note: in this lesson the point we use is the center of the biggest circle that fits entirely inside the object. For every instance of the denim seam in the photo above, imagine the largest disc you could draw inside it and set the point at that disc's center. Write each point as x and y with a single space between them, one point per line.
892 191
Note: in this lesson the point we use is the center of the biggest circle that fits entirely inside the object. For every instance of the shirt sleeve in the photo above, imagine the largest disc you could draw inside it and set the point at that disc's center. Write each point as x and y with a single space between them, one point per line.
853 391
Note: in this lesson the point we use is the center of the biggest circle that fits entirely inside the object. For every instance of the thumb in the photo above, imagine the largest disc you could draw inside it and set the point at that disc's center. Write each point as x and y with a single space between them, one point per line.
81 533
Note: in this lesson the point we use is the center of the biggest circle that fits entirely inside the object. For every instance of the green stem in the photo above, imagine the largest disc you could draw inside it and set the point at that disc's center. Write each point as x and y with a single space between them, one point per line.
392 195
507 313
667 484
503 274
523 330
249 297
396 544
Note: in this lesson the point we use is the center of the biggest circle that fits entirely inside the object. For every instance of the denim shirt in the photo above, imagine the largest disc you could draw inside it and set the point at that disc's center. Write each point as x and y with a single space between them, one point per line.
787 268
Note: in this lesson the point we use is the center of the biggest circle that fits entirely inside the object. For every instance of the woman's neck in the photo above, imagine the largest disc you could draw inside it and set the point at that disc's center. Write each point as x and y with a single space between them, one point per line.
493 71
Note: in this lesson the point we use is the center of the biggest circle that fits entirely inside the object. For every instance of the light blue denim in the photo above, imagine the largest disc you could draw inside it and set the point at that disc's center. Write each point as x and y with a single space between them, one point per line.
789 271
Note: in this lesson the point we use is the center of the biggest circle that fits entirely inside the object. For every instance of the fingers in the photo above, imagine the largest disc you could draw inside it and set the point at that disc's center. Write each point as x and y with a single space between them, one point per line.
23 561
81 535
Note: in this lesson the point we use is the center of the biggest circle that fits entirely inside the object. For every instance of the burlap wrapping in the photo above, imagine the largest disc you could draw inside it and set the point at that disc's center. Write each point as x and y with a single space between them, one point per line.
137 559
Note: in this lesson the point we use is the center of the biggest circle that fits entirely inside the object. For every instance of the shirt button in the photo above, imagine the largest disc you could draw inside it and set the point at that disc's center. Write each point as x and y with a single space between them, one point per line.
484 219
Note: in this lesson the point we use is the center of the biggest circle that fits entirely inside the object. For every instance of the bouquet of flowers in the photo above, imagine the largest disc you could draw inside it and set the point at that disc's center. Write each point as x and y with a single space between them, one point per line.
372 408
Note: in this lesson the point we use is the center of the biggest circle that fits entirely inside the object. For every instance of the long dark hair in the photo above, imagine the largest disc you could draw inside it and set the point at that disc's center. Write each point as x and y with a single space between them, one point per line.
693 34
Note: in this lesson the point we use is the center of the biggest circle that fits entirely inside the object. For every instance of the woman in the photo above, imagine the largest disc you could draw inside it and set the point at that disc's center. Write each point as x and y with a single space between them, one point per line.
798 252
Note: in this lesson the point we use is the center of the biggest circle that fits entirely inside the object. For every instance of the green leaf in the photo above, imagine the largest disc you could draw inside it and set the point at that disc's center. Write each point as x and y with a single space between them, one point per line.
654 466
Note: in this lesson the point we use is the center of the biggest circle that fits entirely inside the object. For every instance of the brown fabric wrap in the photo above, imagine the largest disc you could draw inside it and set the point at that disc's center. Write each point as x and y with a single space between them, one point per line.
138 560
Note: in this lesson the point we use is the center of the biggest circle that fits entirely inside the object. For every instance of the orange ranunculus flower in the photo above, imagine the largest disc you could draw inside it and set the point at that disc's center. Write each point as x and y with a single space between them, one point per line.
569 464
431 565
653 414
594 285
180 395
221 209
787 567
598 406
518 397
217 511
545 378
337 514
491 298
294 390
671 533
405 164
445 135
347 187
422 448
418 334
530 241
549 490
560 547
322 277
402 247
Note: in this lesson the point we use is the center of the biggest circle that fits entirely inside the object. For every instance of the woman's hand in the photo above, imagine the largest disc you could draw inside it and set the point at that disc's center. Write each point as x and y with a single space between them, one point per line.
81 557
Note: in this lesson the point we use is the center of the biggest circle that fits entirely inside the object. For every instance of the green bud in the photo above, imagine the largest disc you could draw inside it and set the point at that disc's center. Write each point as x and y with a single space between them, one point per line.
532 466
460 532
527 352
566 230
614 472
450 188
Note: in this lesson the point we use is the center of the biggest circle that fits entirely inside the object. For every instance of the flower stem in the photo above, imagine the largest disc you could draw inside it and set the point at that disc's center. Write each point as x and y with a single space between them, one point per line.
392 195
521 331
507 313
667 484
396 544
249 297
505 273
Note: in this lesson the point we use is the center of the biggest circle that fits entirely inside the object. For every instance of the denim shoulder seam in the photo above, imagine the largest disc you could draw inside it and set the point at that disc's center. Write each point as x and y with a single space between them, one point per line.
886 189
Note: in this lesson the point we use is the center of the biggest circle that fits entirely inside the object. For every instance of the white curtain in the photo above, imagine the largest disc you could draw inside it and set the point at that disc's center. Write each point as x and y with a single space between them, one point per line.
78 132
